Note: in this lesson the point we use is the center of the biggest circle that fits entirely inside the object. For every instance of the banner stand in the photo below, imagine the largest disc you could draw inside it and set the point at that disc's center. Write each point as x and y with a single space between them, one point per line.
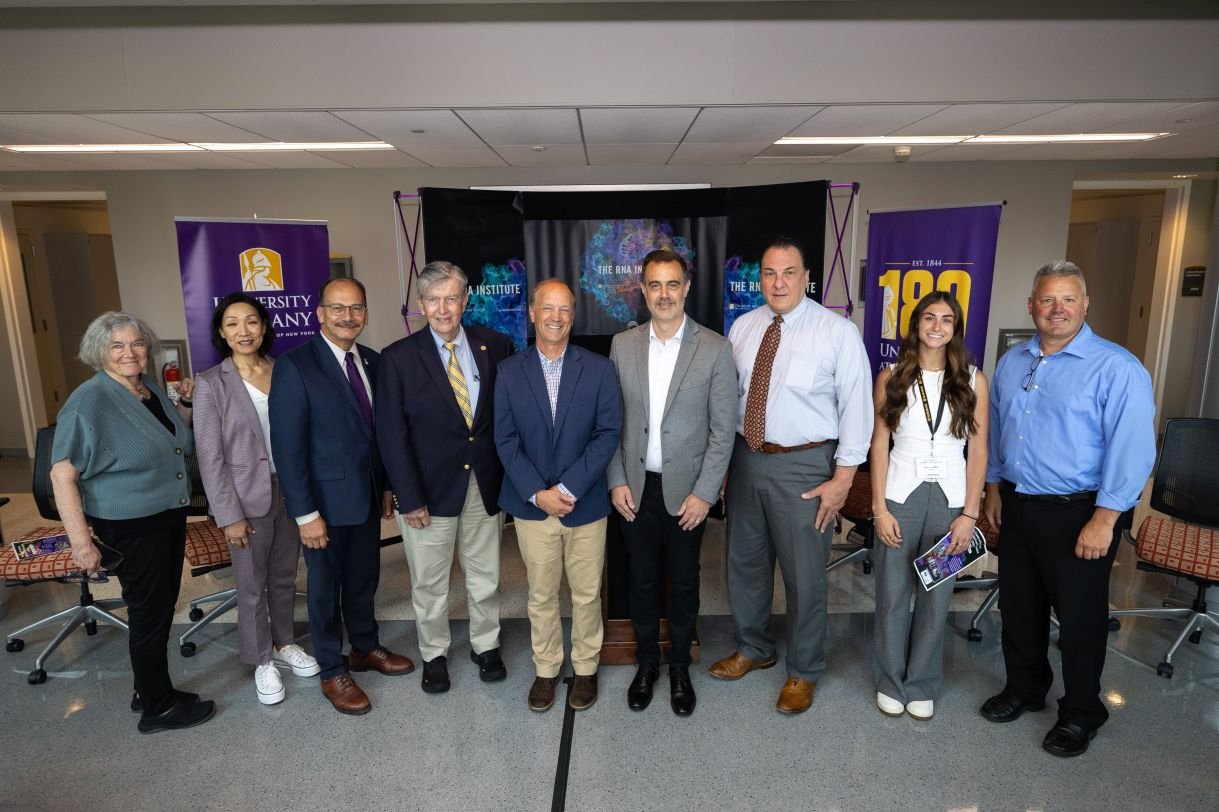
407 282
840 229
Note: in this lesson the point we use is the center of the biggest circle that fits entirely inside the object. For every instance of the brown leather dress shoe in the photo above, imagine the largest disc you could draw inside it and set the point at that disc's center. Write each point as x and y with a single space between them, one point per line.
735 666
583 692
541 694
380 659
796 696
346 696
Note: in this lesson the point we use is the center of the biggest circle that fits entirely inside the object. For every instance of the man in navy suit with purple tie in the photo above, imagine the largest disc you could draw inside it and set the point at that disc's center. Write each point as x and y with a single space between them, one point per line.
325 448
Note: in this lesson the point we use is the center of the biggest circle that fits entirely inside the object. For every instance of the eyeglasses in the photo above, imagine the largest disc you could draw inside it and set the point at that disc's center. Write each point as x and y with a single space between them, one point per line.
1031 377
337 310
434 301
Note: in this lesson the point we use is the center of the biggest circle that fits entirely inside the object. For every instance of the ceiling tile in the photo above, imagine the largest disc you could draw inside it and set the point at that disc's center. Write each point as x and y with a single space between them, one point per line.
1089 117
17 162
636 125
964 152
373 159
437 128
524 126
725 153
295 126
288 160
975 119
728 124
452 157
554 155
629 154
865 119
1200 114
186 127
64 128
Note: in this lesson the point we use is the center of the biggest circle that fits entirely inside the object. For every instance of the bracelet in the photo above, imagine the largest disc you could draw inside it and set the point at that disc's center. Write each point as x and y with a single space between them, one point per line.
967 516
878 515
187 403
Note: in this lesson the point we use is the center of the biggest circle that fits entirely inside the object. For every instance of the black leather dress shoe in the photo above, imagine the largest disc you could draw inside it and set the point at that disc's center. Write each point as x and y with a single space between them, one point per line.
137 704
436 676
639 695
681 691
1067 739
490 665
1007 707
178 716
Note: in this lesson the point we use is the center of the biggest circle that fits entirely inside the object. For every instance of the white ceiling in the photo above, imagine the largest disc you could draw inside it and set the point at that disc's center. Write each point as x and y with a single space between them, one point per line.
462 85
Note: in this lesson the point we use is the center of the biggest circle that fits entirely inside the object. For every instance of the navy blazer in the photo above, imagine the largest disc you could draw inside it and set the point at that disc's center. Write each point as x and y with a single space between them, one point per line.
575 450
325 453
428 450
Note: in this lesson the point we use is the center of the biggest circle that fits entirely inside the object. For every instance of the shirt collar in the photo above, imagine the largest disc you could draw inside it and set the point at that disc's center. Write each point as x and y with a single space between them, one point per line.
681 330
795 313
1077 346
458 341
546 361
338 351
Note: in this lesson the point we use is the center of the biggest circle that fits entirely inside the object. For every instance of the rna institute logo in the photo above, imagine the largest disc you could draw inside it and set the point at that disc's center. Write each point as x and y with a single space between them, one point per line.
261 269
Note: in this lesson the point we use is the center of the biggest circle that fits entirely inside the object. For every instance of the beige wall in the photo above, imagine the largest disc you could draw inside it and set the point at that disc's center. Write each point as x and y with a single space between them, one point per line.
359 207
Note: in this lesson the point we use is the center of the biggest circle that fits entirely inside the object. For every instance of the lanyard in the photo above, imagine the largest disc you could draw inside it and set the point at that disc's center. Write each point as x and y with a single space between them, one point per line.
939 415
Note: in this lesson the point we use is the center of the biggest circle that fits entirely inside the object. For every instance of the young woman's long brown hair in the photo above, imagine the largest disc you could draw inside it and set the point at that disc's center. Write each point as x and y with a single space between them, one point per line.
956 387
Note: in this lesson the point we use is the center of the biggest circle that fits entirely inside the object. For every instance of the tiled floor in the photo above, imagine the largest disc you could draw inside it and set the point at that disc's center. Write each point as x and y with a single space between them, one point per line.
71 743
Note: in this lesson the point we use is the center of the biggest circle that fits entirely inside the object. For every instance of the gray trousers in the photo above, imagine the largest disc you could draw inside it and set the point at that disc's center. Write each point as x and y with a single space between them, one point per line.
265 573
908 654
768 521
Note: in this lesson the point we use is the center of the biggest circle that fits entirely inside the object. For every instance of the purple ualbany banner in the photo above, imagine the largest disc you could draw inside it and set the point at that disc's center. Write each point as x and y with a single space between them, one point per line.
911 254
282 263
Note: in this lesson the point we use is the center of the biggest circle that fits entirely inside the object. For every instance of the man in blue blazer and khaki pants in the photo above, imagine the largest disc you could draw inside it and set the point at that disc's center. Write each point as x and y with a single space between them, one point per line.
557 420
434 428
325 448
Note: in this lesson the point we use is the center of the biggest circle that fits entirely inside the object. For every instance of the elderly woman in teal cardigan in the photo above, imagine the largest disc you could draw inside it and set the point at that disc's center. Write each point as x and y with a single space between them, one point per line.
119 466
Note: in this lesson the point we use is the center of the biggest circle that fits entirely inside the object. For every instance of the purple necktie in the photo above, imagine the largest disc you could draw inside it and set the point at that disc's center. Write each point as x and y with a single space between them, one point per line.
357 386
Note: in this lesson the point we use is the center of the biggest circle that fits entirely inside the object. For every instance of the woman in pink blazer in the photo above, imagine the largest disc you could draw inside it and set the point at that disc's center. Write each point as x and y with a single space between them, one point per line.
233 446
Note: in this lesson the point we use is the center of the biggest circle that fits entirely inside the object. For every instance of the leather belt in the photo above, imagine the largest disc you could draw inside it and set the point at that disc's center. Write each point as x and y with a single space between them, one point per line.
772 448
1051 498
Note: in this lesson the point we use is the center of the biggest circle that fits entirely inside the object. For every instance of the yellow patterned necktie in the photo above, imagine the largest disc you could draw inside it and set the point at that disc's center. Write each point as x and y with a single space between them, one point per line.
458 382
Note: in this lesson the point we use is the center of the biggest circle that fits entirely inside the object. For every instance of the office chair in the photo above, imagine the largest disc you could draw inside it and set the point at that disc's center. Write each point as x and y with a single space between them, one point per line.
56 566
858 511
1184 541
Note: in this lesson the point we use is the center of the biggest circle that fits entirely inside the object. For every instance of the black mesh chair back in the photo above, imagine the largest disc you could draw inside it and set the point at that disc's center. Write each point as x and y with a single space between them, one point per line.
1186 484
44 494
198 497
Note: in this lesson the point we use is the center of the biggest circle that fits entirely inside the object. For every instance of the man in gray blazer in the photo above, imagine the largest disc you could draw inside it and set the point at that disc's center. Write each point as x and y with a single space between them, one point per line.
679 392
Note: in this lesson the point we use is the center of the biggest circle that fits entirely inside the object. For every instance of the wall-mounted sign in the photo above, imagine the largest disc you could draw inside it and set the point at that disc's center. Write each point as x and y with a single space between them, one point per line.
1193 279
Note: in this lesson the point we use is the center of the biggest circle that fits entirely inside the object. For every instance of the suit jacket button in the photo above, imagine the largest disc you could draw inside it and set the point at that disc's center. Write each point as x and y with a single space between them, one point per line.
181 501
177 451
645 429
471 439
466 466
180 475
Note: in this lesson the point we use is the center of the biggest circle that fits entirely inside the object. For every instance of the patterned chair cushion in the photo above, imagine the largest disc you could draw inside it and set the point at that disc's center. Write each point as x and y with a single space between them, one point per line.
205 545
1178 546
42 568
859 498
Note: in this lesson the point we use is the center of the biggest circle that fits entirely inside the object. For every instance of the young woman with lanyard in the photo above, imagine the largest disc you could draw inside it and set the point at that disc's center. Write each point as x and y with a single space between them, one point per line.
932 407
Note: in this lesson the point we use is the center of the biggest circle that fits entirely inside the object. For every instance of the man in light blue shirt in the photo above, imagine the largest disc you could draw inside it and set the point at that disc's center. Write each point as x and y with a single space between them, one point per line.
1072 442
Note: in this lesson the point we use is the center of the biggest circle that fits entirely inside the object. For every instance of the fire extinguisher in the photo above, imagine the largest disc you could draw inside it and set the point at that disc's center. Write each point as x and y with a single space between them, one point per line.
172 376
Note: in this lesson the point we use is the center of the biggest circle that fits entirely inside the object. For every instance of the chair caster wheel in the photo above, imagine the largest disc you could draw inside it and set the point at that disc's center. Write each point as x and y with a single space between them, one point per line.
90 627
974 635
1164 670
867 568
14 645
1196 637
196 614
1114 624
37 677
187 649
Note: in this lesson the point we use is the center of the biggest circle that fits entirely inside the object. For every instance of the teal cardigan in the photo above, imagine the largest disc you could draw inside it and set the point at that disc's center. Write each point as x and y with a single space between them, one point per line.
129 465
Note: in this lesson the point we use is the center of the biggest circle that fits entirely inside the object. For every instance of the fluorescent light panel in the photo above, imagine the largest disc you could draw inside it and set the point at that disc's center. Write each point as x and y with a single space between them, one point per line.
930 140
257 146
1079 138
871 140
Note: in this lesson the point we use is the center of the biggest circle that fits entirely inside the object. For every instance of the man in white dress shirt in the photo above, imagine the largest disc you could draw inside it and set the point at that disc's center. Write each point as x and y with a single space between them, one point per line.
804 423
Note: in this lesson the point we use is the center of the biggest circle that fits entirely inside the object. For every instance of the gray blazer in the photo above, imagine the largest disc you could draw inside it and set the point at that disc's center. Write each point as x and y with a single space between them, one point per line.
699 420
234 462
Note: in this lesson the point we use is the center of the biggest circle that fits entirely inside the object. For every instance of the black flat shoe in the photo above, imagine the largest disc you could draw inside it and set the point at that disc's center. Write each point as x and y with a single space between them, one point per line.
1007 707
681 691
490 665
436 675
1067 740
180 715
137 704
639 695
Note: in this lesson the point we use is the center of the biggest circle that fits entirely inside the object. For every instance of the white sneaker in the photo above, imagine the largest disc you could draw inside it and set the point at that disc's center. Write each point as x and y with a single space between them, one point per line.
301 663
270 687
921 709
889 706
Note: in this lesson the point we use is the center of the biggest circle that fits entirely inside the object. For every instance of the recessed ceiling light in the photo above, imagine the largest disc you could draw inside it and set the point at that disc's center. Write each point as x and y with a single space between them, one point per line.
1184 120
419 132
538 148
1184 177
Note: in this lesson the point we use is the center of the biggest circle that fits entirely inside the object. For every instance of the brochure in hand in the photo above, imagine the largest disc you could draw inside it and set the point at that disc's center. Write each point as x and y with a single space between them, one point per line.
35 548
935 566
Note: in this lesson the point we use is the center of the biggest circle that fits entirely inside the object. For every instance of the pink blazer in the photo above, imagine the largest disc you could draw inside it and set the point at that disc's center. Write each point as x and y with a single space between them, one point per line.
234 460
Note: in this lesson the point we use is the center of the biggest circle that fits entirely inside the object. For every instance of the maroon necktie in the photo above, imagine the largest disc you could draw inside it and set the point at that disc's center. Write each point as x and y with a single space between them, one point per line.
759 387
357 387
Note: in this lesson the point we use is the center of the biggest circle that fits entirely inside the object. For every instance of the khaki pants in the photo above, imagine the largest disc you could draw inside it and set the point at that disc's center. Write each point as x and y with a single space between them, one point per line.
550 549
429 554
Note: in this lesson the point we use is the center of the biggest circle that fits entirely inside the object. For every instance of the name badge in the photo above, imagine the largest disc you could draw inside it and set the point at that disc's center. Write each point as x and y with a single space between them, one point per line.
931 469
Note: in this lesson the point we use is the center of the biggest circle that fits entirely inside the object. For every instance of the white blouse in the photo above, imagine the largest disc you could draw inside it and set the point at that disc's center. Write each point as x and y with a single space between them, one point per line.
261 406
913 440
